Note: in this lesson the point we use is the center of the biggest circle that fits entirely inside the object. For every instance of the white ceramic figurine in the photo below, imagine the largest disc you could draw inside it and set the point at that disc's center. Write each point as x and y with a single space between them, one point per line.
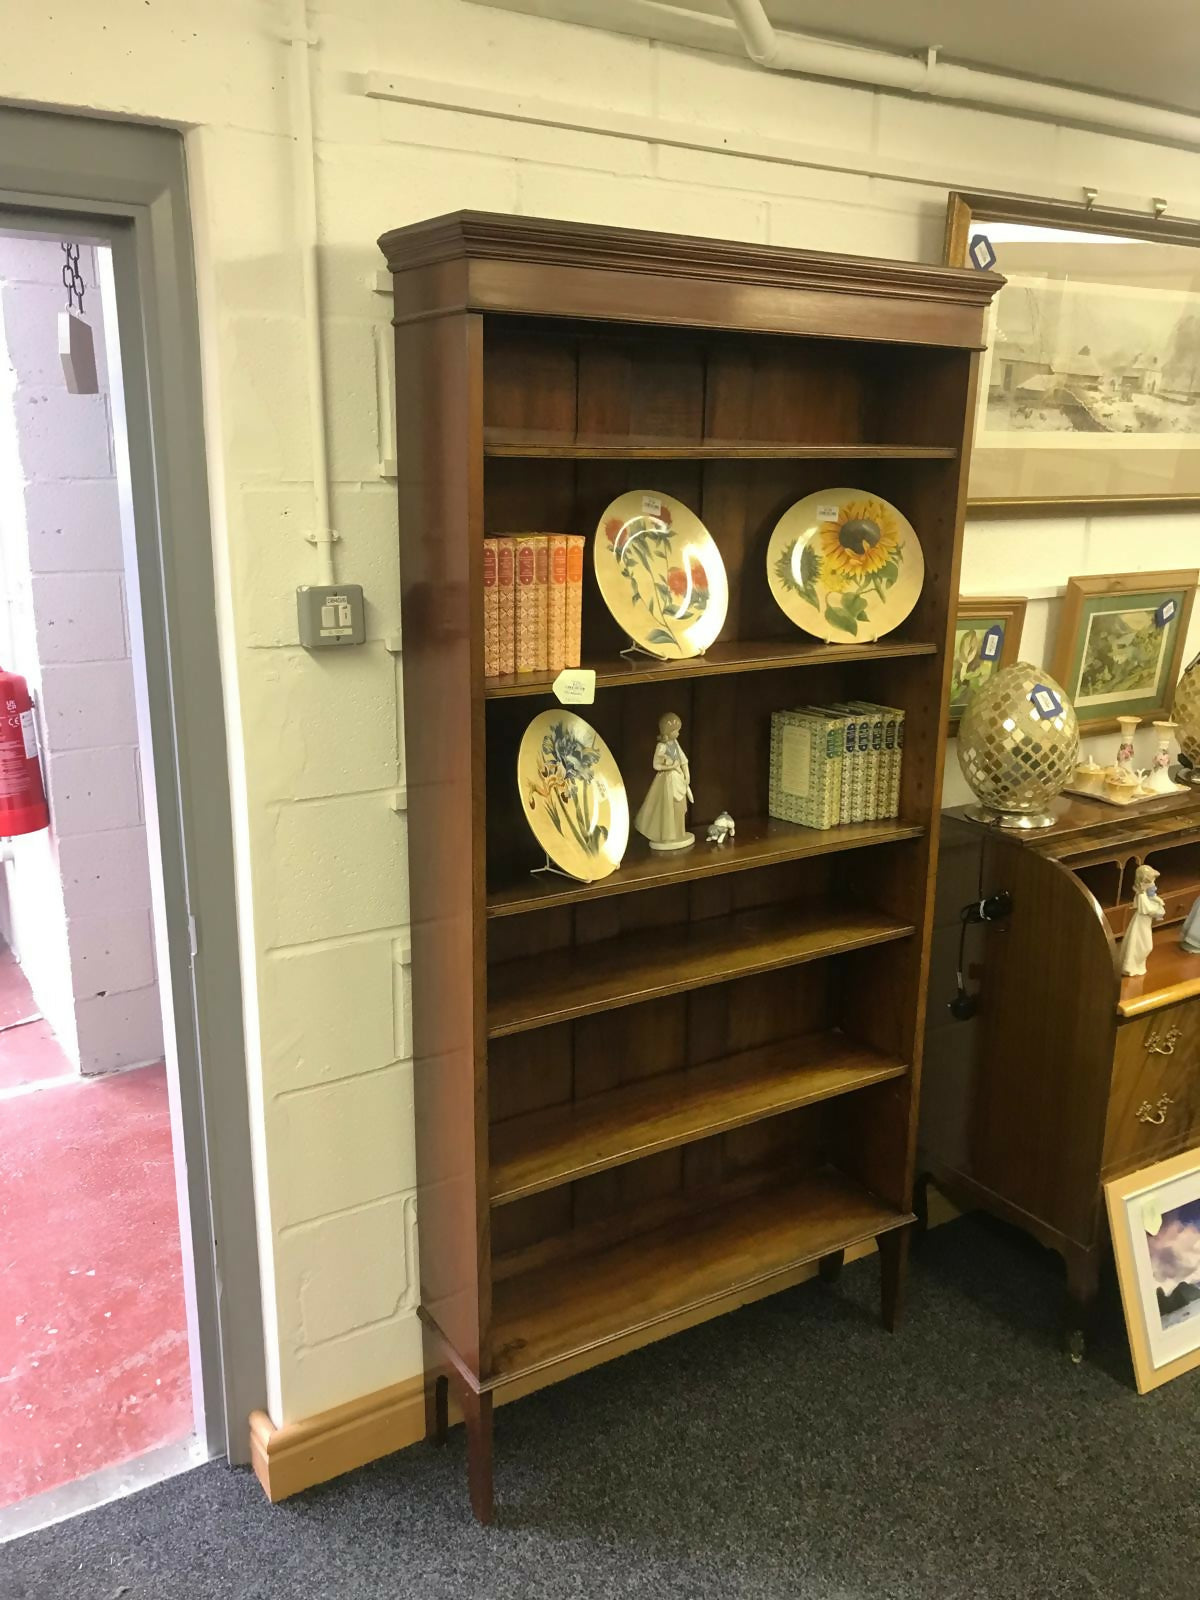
1147 910
664 810
722 827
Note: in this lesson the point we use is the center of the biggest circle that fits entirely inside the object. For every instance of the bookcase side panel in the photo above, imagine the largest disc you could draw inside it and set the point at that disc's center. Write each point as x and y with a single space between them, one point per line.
881 1149
440 484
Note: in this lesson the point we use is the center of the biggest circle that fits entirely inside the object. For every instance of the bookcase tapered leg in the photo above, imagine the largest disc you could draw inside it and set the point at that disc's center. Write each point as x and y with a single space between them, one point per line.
437 1408
477 1412
893 1263
830 1266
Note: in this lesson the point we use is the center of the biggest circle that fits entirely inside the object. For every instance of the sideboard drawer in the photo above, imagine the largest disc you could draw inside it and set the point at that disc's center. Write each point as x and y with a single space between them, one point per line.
1155 1097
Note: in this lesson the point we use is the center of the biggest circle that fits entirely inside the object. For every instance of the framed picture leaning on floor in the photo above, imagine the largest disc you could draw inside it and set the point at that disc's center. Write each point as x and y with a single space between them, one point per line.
1155 1219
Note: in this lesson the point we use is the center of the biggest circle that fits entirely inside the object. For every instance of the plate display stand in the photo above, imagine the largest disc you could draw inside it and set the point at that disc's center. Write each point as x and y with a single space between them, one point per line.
646 1100
632 649
548 866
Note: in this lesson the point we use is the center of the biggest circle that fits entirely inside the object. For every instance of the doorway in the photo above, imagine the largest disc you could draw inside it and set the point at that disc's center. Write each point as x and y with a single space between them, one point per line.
124 1126
94 1343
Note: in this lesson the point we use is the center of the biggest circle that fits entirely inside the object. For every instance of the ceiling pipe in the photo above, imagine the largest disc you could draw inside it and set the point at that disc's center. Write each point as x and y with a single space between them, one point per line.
879 69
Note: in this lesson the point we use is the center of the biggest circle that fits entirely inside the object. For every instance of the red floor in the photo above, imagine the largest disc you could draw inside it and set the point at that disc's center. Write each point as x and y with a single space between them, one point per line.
93 1341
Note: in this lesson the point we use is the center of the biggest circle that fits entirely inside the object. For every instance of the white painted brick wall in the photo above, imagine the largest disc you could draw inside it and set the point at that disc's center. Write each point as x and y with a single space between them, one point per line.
321 855
94 790
81 893
73 525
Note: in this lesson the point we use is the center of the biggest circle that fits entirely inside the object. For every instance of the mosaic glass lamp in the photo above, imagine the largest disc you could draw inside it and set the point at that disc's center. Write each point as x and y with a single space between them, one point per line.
1187 715
1018 744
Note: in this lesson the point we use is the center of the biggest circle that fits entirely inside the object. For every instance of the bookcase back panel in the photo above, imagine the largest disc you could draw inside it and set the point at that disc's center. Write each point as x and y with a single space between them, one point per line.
569 1062
726 733
740 503
602 1210
566 382
791 883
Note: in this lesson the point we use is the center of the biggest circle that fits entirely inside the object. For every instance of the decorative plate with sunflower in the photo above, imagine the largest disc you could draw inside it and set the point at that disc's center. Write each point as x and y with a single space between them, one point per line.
573 795
844 564
661 574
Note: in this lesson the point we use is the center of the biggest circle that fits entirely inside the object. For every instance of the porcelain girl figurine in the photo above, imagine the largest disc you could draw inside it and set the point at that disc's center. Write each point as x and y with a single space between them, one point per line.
1189 938
663 811
1147 910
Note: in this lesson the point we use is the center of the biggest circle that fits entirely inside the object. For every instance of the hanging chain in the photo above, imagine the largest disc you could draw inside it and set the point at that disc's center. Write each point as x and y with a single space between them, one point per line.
72 277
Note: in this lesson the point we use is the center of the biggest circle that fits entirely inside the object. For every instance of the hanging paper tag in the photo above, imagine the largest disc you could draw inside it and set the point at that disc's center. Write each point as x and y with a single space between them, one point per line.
576 686
1164 613
828 513
651 505
1046 701
992 640
981 253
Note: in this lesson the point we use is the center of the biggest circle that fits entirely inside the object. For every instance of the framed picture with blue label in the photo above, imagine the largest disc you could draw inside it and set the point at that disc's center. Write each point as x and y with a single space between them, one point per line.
987 636
1089 396
1120 644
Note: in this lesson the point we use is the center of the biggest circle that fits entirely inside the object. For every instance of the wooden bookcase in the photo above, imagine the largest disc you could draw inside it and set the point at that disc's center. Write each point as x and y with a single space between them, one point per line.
649 1100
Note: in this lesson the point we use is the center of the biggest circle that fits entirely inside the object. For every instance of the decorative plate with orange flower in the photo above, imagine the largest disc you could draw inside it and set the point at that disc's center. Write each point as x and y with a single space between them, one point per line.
844 564
661 574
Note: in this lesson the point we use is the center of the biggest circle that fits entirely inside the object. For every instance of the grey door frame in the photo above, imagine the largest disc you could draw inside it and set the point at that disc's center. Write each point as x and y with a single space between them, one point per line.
126 183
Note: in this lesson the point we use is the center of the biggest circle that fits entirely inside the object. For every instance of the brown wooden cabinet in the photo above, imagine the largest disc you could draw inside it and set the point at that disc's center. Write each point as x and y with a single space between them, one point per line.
648 1100
1072 1075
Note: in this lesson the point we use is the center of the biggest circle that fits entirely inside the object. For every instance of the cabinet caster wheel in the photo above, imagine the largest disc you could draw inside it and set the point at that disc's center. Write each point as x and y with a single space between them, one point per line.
1076 1346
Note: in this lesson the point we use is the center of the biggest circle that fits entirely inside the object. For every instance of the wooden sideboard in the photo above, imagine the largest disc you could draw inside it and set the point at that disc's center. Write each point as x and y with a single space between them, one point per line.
1072 1075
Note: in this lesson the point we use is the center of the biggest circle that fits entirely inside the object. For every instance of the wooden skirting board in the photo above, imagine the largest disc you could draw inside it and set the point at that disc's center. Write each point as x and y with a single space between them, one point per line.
299 1455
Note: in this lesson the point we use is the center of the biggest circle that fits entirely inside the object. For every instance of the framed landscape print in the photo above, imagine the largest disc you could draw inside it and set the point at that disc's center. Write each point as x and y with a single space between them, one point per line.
1089 394
987 636
1155 1220
1120 644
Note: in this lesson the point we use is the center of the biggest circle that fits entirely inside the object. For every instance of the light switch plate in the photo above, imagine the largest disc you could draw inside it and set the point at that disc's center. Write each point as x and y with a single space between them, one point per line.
330 614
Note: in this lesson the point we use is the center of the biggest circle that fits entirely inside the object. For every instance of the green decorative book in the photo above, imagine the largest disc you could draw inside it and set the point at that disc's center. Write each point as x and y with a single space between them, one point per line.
806 767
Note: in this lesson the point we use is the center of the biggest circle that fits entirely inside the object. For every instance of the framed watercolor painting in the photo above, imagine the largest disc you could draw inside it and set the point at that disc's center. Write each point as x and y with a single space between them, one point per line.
987 636
1089 397
1120 644
1155 1220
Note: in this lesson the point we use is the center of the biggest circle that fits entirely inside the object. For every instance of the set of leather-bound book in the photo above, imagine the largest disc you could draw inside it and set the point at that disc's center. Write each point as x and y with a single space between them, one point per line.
532 602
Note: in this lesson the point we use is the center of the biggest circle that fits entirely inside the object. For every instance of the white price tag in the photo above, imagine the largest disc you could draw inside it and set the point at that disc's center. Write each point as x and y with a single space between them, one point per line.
828 513
575 686
651 505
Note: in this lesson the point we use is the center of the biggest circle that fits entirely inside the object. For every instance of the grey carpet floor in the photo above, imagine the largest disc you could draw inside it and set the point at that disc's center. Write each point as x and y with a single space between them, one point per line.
791 1451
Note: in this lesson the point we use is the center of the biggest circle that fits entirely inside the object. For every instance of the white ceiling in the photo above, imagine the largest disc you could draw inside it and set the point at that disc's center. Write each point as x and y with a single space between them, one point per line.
1149 50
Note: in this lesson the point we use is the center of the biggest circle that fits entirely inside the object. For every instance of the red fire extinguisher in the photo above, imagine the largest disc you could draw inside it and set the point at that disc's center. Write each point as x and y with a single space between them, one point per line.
22 797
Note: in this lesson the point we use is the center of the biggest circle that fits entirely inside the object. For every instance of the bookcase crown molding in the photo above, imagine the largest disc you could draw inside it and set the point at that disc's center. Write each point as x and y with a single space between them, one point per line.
487 237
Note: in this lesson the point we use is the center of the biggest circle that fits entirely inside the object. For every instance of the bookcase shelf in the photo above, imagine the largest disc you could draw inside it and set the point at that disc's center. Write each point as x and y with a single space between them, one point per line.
500 443
547 1148
725 656
562 984
644 1101
724 1256
759 842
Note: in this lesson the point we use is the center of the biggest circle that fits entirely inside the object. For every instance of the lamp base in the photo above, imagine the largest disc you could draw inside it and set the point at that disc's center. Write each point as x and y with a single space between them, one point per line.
1021 820
1186 775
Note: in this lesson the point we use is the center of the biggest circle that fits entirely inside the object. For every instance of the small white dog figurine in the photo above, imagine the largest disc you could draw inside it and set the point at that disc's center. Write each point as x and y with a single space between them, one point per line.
721 828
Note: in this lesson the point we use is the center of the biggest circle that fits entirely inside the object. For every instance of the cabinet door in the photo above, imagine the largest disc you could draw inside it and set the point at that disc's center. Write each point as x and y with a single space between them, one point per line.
1154 1105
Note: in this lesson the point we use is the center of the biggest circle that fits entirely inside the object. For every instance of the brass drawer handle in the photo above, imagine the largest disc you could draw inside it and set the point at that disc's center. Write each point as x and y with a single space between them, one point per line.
1157 1114
1164 1046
